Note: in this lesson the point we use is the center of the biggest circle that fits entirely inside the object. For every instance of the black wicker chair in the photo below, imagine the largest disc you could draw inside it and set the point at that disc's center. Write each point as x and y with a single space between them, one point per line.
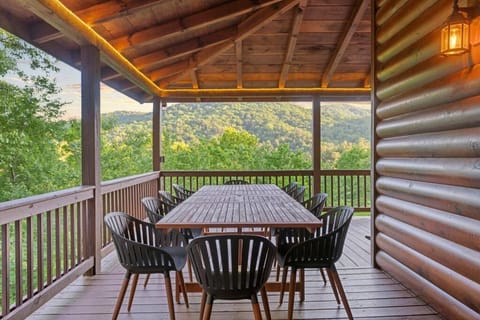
316 203
168 197
143 249
289 188
232 267
154 208
236 181
300 249
181 192
298 193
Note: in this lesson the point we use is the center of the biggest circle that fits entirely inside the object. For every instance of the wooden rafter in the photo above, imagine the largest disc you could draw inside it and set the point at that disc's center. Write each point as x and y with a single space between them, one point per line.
238 56
169 70
244 29
194 77
93 15
184 48
192 22
292 42
351 26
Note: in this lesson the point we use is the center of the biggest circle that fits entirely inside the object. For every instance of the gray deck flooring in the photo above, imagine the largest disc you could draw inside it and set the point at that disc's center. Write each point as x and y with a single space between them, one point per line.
372 294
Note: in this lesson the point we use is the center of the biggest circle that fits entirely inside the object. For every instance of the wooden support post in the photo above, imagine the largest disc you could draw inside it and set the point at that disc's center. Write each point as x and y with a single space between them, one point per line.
317 151
156 138
91 174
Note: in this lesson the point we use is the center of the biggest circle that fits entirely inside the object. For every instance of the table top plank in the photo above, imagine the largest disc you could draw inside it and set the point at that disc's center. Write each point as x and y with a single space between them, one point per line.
239 206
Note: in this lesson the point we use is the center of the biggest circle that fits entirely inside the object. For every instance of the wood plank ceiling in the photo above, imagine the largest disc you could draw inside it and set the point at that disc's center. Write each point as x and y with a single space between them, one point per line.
207 49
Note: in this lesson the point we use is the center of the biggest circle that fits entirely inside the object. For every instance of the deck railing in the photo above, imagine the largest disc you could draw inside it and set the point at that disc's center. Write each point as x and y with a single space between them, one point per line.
43 238
344 187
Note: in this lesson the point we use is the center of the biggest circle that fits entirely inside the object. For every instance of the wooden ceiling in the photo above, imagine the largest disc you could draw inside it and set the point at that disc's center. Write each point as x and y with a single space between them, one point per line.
195 50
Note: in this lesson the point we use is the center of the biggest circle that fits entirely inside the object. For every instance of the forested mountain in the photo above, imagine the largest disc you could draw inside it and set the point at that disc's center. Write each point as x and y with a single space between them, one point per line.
272 123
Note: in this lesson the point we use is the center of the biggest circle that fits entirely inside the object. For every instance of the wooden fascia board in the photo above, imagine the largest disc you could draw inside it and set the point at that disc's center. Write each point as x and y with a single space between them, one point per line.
244 29
192 22
337 55
292 42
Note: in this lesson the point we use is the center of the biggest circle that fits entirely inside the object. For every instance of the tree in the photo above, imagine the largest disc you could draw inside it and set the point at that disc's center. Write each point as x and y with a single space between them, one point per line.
28 114
356 156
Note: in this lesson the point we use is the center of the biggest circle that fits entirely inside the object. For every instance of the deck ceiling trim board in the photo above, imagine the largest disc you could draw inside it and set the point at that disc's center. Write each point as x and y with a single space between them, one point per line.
338 54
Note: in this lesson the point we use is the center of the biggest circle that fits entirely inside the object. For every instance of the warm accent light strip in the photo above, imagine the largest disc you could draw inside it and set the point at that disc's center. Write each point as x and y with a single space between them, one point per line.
55 7
267 92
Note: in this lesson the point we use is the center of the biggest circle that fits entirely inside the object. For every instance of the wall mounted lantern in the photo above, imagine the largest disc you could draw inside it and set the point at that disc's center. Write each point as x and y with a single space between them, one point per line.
455 33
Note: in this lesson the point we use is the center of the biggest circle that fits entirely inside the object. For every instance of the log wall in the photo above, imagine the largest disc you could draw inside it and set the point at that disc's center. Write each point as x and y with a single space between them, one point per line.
427 146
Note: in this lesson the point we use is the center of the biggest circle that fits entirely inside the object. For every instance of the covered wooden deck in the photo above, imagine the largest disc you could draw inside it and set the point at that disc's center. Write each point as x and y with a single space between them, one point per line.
372 294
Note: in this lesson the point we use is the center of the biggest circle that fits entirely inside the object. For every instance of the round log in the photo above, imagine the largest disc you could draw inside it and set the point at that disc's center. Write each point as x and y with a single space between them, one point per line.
451 116
462 230
458 200
439 299
454 143
387 9
463 260
422 50
399 39
461 85
463 172
425 73
461 288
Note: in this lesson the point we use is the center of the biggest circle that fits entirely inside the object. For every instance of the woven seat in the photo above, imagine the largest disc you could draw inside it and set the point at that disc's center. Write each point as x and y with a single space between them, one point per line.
300 249
142 249
232 267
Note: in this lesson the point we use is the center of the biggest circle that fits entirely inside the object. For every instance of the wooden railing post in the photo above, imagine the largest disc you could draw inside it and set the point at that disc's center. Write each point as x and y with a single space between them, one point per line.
316 142
90 57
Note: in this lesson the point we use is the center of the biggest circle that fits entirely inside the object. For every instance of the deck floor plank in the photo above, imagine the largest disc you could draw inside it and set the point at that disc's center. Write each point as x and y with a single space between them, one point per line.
372 294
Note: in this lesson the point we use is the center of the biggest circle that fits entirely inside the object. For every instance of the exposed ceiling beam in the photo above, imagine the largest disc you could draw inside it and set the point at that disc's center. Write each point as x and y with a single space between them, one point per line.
352 25
194 77
169 70
238 56
292 42
110 10
244 29
99 13
184 48
69 24
192 22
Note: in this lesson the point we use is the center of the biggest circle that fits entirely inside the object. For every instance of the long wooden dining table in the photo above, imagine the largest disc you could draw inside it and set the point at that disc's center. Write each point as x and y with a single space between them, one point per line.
242 208
239 206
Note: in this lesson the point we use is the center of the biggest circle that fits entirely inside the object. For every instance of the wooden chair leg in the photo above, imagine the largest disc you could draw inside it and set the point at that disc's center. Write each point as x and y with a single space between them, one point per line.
177 289
132 291
291 292
168 289
302 285
323 276
266 306
334 286
256 309
121 295
277 274
341 291
283 284
202 304
208 308
181 283
146 280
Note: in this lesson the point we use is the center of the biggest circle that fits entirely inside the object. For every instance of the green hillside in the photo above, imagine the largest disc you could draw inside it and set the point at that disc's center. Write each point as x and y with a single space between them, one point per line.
272 123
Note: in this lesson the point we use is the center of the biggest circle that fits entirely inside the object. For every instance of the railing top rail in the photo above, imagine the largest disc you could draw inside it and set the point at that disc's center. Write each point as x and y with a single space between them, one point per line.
176 173
125 182
21 208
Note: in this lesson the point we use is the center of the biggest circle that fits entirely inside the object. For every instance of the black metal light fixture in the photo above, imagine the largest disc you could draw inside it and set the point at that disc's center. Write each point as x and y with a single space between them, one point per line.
455 33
